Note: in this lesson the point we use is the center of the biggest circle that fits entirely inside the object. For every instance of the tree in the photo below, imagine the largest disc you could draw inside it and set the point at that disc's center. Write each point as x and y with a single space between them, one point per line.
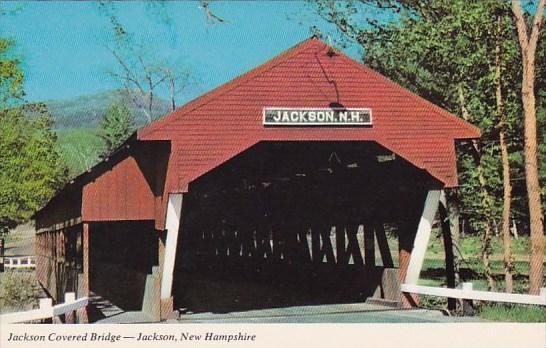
462 56
210 15
507 186
142 74
140 79
528 38
116 126
31 170
11 77
176 80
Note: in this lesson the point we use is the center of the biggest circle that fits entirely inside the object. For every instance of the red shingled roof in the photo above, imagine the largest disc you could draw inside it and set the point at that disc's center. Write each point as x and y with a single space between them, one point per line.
228 120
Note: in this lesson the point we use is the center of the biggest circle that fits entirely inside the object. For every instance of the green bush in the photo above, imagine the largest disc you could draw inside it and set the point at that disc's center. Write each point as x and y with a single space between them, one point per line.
18 291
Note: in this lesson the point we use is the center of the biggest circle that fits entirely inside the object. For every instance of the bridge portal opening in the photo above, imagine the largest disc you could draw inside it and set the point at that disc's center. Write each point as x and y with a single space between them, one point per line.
294 223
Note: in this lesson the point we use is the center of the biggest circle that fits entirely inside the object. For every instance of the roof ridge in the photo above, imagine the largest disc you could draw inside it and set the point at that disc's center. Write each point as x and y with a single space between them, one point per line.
435 108
227 86
283 57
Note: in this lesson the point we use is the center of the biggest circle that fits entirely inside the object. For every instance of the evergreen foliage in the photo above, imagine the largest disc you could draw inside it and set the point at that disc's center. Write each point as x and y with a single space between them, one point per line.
117 126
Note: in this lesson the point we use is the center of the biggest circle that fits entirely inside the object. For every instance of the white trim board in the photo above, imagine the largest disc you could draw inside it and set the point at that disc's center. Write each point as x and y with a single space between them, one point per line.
46 310
172 224
469 294
422 236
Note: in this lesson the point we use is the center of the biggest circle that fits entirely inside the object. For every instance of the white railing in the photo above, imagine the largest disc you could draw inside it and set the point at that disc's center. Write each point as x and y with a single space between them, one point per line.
466 292
17 262
47 310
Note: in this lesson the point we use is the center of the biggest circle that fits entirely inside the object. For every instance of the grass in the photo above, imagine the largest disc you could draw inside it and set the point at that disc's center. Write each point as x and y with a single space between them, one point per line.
514 313
80 148
471 247
10 238
472 270
503 312
20 233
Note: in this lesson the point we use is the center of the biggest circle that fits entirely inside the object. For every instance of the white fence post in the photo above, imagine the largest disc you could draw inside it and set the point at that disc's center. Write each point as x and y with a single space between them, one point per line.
466 286
46 303
46 307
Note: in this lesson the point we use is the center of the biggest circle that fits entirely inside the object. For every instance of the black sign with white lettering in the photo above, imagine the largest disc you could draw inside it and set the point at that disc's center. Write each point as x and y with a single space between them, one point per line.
317 116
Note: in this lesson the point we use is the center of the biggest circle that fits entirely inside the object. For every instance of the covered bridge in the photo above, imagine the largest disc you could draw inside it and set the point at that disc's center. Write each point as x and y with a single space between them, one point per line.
267 191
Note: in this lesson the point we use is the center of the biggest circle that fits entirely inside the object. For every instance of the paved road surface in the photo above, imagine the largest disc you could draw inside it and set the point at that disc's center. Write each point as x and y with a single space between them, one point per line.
340 313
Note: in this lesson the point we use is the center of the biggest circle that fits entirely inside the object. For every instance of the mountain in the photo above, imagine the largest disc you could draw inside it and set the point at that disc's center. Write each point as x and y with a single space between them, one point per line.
77 122
87 111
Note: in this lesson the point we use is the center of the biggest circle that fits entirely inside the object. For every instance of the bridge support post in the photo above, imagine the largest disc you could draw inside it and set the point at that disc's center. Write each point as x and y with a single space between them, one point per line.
85 249
172 226
411 258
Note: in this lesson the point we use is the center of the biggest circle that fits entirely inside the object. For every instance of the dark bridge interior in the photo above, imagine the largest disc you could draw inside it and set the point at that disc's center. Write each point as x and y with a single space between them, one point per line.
121 255
292 223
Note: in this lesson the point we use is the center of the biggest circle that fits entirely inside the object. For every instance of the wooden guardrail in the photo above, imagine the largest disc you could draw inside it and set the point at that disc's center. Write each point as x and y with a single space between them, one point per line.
467 293
47 310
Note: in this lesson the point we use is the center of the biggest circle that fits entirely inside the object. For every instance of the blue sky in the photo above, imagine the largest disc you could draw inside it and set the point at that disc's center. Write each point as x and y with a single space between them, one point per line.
63 44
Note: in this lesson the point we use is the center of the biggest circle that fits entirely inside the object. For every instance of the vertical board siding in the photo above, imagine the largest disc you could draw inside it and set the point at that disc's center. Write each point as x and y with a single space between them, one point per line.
59 260
121 193
62 208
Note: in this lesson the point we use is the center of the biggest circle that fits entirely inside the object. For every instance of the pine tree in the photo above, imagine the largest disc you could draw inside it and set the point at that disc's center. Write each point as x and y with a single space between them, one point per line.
117 126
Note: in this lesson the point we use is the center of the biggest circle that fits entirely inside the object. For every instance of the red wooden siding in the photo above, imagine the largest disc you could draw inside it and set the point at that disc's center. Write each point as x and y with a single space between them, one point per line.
58 260
219 125
120 193
170 153
63 208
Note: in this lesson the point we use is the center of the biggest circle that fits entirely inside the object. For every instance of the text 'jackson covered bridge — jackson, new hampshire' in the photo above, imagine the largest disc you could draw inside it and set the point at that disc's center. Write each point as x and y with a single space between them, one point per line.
272 190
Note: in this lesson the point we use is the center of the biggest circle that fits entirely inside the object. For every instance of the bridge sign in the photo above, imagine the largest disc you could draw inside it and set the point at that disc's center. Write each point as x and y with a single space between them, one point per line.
273 116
